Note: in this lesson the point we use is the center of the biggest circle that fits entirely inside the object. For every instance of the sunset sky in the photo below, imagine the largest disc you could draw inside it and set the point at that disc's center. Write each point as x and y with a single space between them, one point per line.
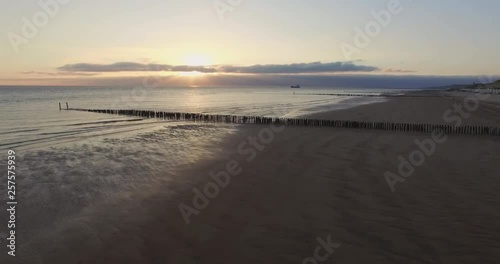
103 42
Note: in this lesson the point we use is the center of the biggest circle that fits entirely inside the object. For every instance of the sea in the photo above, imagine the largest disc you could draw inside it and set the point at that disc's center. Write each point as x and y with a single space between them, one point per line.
30 116
67 161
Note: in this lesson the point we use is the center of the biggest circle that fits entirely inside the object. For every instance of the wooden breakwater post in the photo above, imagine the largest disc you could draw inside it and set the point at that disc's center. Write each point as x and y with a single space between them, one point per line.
368 95
60 108
352 124
67 106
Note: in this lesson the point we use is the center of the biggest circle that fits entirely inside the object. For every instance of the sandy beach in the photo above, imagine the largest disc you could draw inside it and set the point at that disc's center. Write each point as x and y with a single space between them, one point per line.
423 108
250 132
305 185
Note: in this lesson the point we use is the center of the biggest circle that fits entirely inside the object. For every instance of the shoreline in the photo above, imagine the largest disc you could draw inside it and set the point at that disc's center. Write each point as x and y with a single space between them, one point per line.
307 183
411 110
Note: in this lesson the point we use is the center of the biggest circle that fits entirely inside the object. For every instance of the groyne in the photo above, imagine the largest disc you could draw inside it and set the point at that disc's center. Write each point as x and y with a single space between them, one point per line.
383 95
352 124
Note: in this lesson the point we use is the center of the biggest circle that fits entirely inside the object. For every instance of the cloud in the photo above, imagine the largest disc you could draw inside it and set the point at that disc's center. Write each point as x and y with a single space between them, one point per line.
397 70
60 73
132 66
296 68
313 67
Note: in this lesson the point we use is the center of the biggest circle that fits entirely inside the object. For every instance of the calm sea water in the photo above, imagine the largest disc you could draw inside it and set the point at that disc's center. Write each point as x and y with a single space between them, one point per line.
30 116
66 161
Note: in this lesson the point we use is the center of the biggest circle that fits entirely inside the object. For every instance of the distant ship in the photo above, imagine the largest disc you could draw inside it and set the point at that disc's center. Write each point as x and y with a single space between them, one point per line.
295 86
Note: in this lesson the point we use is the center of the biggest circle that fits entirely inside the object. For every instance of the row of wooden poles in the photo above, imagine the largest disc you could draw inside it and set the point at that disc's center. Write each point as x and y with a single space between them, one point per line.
60 107
369 95
403 127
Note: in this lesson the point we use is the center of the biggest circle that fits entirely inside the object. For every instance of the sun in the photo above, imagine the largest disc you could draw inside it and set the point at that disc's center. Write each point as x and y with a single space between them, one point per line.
198 60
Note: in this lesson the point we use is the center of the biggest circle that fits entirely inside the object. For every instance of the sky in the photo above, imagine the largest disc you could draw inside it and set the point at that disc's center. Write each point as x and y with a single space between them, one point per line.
207 42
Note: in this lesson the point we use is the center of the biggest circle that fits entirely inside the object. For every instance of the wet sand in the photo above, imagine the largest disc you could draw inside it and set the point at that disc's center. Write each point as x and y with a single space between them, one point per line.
309 183
423 110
